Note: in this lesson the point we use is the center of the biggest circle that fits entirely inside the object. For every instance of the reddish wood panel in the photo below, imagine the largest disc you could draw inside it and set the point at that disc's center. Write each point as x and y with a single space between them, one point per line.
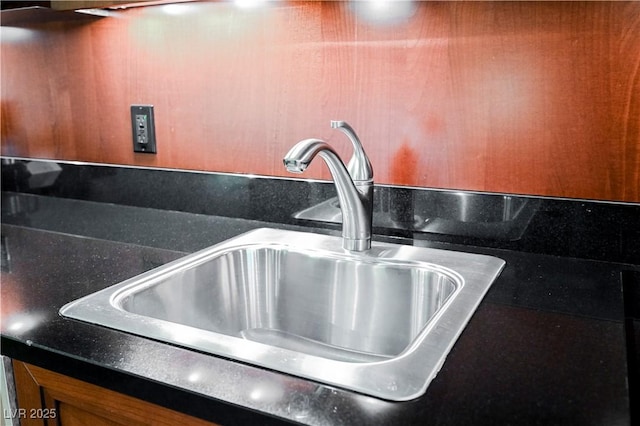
522 97
51 398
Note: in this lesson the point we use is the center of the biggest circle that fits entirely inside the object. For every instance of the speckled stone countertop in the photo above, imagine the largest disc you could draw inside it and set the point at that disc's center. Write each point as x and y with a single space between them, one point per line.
546 346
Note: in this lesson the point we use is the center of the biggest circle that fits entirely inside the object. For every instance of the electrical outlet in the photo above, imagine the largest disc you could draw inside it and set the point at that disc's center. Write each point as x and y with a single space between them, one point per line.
143 127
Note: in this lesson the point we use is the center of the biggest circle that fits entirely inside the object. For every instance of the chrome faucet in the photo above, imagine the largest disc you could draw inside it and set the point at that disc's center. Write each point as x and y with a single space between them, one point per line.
354 187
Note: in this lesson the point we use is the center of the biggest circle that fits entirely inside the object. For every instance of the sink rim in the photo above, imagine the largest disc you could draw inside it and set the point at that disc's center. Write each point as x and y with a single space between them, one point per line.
400 378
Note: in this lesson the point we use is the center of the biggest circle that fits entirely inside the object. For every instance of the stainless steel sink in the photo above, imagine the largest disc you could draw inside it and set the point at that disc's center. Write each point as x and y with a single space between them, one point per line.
380 322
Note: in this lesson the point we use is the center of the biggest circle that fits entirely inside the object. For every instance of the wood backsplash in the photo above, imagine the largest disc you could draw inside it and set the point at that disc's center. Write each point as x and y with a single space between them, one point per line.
522 97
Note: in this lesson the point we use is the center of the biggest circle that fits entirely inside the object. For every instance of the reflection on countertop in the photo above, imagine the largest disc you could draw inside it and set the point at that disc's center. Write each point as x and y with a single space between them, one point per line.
492 216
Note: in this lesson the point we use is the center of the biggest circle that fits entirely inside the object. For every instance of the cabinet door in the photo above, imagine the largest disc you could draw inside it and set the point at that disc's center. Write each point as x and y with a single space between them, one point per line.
48 398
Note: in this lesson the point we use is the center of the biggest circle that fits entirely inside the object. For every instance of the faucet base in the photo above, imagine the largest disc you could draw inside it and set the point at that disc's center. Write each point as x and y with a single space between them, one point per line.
360 244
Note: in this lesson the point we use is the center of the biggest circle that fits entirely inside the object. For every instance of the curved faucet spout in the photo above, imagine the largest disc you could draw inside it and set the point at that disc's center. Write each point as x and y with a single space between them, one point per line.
356 206
299 157
359 166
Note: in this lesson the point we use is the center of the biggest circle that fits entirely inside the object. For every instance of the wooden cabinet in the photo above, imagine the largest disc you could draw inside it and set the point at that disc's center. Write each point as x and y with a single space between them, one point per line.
99 4
74 4
90 4
19 14
46 398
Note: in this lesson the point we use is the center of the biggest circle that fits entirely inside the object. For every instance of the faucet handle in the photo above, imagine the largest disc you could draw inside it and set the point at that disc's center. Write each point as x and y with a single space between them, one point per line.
359 166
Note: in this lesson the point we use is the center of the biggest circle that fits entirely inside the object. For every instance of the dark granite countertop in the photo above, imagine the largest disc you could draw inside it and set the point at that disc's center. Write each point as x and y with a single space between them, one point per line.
546 346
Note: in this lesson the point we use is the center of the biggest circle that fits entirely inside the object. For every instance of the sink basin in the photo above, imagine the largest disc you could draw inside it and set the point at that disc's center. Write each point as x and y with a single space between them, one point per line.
379 322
